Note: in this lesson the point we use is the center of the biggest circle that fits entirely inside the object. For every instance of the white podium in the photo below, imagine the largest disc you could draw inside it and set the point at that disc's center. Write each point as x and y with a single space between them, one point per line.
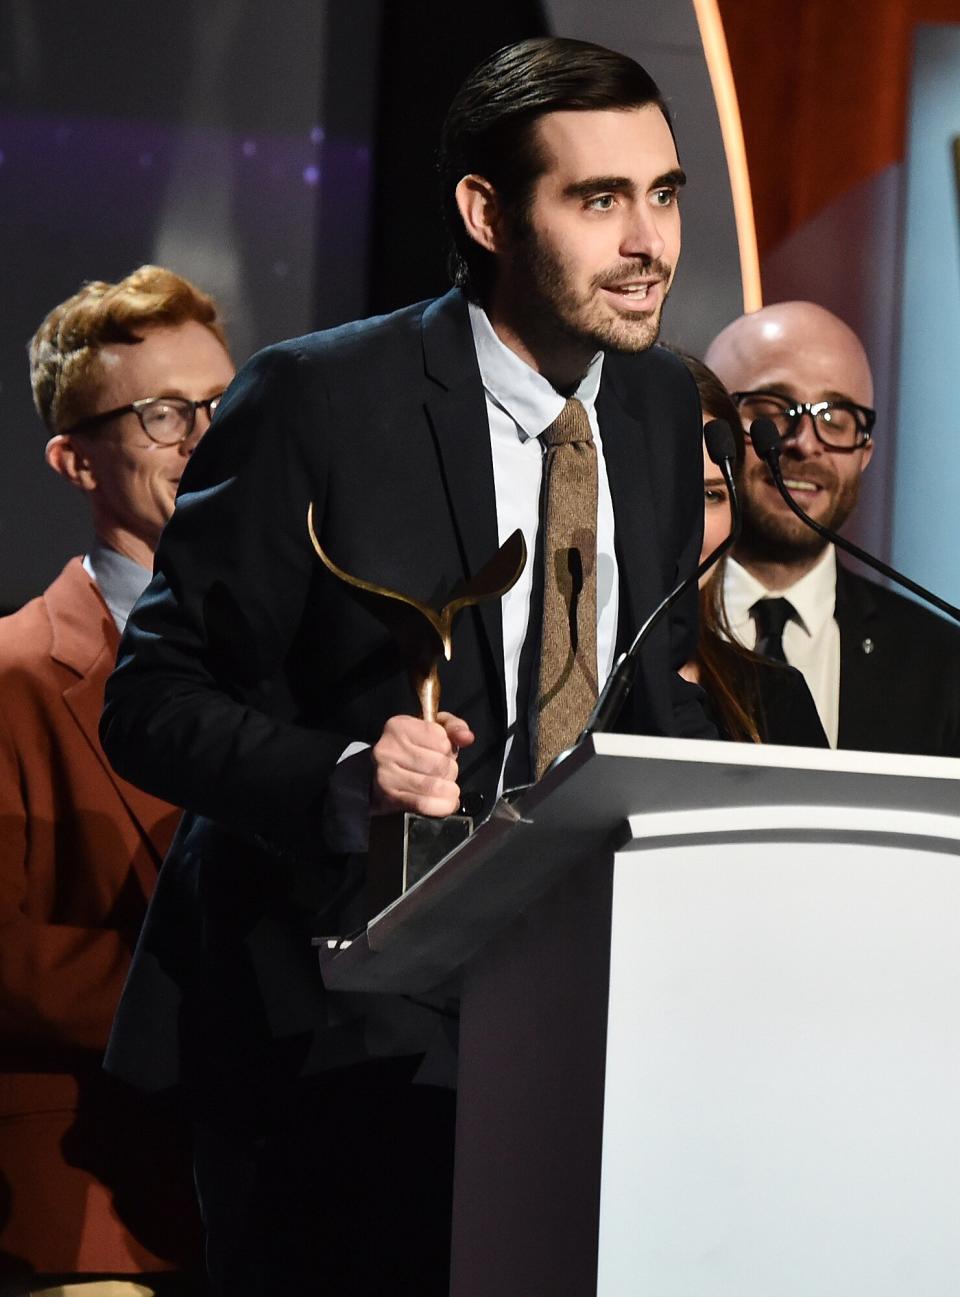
710 1024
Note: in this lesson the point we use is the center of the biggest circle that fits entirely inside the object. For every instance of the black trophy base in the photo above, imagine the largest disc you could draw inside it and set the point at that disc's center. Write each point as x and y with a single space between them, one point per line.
404 847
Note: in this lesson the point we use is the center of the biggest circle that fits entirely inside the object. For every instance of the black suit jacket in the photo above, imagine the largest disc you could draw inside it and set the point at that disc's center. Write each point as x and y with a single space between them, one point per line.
899 672
247 668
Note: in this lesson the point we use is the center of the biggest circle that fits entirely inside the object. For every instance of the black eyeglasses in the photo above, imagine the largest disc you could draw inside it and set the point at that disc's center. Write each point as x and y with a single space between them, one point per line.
838 425
167 420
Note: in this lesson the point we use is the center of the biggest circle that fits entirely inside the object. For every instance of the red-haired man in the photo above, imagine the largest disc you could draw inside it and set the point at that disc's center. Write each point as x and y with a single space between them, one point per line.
93 1186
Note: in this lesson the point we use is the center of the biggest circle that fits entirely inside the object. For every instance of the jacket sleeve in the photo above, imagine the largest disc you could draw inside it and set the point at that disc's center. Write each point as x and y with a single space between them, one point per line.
184 716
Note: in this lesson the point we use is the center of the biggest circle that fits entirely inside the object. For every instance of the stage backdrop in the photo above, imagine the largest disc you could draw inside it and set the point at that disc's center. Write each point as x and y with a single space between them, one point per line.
833 146
267 151
229 140
926 517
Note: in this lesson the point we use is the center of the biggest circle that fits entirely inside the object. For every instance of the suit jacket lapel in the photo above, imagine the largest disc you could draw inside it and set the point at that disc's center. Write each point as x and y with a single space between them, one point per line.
625 456
855 612
456 408
638 552
85 639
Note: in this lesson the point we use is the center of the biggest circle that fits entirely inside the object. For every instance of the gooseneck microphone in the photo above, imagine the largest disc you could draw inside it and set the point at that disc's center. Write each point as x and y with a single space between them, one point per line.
766 442
722 450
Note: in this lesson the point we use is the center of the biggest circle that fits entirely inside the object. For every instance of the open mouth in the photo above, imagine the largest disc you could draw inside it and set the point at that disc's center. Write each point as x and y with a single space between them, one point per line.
639 294
800 486
803 490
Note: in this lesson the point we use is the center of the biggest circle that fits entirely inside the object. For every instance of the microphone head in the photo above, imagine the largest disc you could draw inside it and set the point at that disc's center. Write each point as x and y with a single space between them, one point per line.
719 440
765 439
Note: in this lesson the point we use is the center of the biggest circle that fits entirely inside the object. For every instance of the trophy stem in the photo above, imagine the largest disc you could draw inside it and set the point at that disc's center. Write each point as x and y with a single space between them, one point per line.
427 688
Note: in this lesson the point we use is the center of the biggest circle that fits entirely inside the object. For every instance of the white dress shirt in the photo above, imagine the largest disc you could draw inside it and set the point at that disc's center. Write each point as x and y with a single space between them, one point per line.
521 404
811 641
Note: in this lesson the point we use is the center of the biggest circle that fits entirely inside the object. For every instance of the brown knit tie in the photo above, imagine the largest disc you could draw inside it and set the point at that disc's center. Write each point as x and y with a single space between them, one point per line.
567 685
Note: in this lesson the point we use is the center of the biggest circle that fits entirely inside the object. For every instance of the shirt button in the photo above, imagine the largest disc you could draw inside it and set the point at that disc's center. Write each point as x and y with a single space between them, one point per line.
868 645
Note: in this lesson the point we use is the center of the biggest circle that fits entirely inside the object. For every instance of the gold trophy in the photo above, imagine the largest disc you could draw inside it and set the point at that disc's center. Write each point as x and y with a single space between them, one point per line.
404 846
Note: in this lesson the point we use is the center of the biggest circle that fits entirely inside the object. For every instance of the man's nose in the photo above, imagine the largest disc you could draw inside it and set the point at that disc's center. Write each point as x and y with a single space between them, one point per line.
643 237
803 442
201 423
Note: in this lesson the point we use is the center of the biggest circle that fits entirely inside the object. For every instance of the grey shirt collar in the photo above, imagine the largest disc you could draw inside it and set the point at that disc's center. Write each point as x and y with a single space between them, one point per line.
119 579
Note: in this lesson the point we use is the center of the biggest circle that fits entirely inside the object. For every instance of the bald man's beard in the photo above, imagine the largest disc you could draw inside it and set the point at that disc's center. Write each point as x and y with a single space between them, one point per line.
774 536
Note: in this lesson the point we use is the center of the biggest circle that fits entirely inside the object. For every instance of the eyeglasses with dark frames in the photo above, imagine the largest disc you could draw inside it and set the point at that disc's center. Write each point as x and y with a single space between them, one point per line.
167 420
843 426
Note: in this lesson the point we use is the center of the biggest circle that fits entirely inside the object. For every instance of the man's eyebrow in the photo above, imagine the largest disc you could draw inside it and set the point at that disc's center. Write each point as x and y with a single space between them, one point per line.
840 396
597 185
675 179
788 393
622 184
775 389
177 393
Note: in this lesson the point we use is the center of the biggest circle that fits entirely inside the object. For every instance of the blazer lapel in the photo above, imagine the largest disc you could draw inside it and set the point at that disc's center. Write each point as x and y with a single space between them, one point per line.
859 689
85 639
624 442
456 409
624 453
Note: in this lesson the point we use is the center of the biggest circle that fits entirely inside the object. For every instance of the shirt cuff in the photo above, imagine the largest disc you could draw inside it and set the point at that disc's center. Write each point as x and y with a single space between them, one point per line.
346 812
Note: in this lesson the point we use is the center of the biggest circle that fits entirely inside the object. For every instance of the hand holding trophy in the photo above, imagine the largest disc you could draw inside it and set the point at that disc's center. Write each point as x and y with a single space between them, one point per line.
403 845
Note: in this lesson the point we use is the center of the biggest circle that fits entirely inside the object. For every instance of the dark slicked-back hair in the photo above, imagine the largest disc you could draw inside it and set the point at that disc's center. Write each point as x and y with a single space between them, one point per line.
489 129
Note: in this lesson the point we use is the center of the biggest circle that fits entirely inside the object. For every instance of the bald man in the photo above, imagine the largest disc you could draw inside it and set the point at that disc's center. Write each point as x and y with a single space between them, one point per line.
884 672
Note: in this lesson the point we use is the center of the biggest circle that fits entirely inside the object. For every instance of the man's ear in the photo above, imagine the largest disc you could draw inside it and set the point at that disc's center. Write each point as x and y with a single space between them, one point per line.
480 212
65 457
866 455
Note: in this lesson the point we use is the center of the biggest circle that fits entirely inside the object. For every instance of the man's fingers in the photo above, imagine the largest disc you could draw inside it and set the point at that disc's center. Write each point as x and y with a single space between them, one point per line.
400 789
415 767
411 732
427 764
405 752
457 730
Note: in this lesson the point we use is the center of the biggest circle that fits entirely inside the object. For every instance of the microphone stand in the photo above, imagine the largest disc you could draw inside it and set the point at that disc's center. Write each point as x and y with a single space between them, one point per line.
722 450
766 442
621 679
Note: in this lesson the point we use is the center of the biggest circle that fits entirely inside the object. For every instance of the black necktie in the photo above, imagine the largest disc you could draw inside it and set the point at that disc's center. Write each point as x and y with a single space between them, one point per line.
771 615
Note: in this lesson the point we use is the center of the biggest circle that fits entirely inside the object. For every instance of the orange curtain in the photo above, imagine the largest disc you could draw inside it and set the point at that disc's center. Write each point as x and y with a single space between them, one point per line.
823 87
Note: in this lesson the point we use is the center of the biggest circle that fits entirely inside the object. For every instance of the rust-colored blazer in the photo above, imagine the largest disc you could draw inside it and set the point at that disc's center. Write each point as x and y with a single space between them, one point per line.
86 1172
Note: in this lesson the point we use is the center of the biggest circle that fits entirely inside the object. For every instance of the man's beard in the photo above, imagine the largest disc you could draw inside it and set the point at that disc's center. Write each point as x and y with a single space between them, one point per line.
551 305
778 537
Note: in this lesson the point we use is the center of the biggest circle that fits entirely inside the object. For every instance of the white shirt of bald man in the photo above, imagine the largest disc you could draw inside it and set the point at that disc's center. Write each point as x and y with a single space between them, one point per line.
811 641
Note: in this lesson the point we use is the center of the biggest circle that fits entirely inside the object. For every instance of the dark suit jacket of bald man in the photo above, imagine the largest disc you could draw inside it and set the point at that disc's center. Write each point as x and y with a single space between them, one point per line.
899 672
247 668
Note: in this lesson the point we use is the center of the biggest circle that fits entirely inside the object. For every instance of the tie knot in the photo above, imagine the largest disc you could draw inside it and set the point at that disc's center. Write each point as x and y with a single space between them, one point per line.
571 424
771 615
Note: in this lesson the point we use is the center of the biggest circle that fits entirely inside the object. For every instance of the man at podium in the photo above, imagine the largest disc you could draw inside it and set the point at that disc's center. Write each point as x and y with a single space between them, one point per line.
255 690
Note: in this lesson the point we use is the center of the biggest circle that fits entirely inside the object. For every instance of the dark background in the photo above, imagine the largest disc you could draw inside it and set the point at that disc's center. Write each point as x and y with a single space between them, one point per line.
281 154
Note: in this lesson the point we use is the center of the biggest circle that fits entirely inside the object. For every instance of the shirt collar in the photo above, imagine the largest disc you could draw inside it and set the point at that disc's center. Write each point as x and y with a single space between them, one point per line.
814 596
119 579
530 400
